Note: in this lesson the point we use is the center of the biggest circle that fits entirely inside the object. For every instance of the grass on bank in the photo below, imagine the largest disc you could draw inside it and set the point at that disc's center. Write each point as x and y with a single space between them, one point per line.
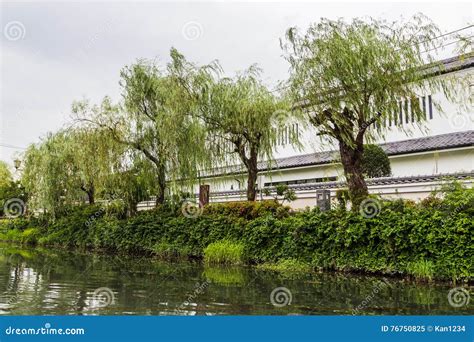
170 251
421 269
224 252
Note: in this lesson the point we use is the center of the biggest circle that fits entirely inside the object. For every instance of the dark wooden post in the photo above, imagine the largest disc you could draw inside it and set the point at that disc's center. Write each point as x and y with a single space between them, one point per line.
203 195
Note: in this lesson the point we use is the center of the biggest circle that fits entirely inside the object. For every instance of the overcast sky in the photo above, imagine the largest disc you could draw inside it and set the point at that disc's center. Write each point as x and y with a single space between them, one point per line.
53 53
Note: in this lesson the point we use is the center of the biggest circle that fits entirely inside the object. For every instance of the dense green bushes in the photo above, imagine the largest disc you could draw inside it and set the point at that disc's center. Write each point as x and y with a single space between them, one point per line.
432 239
27 236
247 210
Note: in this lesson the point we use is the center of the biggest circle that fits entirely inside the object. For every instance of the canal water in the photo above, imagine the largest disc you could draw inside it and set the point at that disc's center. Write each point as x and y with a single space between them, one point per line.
39 281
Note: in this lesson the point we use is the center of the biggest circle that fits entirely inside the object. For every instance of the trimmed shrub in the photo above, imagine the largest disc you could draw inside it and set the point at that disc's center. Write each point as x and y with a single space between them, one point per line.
375 162
247 210
170 251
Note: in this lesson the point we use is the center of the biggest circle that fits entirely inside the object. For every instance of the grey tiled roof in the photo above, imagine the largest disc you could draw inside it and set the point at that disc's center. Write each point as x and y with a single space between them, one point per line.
436 142
370 182
452 64
431 143
307 159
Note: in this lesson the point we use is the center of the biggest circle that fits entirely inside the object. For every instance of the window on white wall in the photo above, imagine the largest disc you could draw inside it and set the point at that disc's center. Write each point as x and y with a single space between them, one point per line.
400 113
423 104
287 134
407 111
406 114
302 181
430 107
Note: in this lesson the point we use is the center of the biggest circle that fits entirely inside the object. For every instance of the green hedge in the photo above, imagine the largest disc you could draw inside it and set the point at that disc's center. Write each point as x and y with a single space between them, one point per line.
435 237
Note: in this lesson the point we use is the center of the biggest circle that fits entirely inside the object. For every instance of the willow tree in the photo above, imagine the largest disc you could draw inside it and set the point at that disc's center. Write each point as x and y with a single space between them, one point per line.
153 120
240 114
9 189
133 182
5 175
68 167
351 77
48 175
94 157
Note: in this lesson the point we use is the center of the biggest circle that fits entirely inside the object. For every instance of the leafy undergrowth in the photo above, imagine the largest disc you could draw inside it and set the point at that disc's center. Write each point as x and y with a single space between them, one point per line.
430 240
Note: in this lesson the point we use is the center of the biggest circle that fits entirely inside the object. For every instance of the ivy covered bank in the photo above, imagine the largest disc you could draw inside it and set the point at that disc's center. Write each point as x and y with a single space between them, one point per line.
433 239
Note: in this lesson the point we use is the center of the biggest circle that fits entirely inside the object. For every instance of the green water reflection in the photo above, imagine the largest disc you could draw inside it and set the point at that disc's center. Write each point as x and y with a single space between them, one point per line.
48 281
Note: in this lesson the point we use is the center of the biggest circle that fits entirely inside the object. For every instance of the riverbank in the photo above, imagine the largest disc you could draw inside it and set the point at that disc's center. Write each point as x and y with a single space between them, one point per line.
54 281
430 240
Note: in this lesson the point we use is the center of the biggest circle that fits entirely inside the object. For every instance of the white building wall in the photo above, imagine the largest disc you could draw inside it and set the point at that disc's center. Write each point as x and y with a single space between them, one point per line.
411 191
426 163
453 118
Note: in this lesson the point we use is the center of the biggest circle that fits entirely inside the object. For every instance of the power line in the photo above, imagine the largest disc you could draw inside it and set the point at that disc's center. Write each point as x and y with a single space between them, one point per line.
13 146
450 43
444 34
424 41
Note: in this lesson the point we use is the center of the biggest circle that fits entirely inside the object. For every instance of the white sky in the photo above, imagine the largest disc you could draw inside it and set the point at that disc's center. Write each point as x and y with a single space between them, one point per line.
68 51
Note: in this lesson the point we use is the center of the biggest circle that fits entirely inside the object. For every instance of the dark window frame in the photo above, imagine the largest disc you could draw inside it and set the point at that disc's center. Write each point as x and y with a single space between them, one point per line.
430 107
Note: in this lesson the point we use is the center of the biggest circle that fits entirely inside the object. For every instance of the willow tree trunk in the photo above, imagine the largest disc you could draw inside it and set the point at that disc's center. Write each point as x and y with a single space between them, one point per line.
252 168
160 196
351 159
90 192
251 188
90 195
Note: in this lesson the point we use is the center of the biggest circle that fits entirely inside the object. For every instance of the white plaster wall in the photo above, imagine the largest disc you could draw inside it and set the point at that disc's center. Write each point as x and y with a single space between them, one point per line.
432 163
455 116
321 171
413 191
427 163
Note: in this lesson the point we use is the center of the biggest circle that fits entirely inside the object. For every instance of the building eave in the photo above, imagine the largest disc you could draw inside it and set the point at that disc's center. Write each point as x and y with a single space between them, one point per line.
420 179
406 147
